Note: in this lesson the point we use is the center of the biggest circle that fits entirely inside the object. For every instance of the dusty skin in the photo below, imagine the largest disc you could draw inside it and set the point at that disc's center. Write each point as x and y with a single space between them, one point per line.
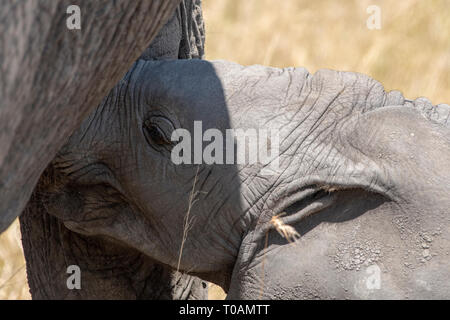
415 75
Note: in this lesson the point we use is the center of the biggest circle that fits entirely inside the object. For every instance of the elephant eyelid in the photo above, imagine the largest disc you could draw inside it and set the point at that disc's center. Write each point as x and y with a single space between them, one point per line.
157 130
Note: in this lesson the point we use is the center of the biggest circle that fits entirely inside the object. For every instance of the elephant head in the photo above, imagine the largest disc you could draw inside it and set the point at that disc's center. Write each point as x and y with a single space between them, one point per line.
359 174
109 271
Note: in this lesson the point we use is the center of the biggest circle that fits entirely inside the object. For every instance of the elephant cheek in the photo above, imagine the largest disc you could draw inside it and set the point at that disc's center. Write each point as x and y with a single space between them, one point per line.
66 206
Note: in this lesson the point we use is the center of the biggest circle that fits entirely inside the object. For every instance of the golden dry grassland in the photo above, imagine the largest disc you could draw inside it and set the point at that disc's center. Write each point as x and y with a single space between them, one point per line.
410 53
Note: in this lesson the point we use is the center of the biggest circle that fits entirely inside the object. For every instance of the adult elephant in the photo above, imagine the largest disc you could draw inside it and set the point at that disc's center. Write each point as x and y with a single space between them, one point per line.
362 175
52 78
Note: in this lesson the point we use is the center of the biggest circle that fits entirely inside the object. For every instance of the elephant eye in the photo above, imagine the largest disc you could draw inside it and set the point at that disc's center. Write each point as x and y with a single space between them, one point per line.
157 131
156 135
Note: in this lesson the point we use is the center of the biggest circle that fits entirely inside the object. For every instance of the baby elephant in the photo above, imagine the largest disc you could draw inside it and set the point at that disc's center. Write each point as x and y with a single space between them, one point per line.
272 183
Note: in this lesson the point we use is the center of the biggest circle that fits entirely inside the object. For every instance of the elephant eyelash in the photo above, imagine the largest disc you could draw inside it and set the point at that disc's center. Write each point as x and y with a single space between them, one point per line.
157 135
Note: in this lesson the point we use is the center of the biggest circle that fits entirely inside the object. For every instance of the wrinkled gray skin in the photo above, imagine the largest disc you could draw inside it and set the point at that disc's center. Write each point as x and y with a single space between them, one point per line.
51 78
109 270
368 169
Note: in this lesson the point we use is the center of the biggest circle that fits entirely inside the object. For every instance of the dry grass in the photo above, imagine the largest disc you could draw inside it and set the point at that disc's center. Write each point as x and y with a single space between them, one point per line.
13 278
410 53
285 230
188 221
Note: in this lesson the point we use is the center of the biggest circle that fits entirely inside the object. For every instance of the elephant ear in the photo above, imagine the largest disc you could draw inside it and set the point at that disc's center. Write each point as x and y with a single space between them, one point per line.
52 77
439 113
435 113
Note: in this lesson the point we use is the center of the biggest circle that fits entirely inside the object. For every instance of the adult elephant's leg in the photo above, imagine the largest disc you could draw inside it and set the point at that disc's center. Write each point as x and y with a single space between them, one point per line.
53 77
108 270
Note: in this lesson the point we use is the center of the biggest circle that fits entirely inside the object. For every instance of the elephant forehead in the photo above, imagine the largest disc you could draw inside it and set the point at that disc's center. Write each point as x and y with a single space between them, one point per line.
277 79
218 91
198 79
190 89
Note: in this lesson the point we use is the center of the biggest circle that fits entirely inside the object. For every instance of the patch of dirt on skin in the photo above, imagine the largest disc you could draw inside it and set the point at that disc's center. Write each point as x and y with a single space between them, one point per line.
425 242
354 255
421 251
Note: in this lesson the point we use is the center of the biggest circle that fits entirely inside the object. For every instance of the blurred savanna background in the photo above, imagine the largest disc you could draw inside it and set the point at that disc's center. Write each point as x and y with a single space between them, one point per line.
410 53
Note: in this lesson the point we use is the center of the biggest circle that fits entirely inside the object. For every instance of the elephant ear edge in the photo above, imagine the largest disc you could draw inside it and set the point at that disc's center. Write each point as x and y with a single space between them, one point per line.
183 36
439 113
193 28
436 113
